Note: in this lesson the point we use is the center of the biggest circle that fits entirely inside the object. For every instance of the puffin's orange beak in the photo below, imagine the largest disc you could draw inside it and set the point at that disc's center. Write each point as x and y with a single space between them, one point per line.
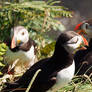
13 44
85 43
80 31
78 26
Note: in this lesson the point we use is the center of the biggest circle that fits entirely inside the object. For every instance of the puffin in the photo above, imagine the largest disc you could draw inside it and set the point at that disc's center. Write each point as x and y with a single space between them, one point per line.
56 71
21 53
83 58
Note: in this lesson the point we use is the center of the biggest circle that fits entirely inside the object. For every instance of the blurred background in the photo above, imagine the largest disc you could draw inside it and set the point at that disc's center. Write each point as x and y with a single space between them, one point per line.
82 11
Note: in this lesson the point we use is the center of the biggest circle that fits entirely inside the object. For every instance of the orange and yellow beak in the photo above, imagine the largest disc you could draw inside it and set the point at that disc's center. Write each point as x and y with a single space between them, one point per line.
13 44
85 43
78 26
81 32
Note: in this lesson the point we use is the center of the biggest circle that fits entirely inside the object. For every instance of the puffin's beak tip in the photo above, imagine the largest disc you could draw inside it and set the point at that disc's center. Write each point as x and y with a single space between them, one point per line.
85 43
13 44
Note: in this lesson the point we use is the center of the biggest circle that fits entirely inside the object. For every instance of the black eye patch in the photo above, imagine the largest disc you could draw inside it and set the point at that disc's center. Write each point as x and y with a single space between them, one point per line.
86 26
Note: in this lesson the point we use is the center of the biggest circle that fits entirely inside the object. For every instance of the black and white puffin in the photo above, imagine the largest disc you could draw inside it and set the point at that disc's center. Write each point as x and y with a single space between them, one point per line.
83 58
56 71
21 52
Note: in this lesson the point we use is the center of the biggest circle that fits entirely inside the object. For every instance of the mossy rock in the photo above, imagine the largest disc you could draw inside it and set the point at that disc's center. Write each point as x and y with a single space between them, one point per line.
48 49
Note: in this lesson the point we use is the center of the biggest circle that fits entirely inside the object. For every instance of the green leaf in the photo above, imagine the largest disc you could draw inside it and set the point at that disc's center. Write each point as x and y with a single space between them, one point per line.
48 48
54 2
1 64
1 73
1 58
9 16
1 53
49 1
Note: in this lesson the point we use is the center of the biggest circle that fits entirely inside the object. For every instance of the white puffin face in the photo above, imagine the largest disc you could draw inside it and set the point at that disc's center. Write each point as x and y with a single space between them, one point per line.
22 36
88 29
19 35
73 44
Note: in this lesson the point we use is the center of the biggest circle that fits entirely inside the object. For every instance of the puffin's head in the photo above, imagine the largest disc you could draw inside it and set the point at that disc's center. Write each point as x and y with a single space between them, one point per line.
85 28
71 41
19 36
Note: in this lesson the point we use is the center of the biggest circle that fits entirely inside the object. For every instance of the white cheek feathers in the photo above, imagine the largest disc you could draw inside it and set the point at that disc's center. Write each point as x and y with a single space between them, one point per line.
73 44
23 36
20 34
88 29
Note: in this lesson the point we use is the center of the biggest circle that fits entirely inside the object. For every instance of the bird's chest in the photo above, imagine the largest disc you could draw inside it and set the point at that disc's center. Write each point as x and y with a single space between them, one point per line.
22 56
63 77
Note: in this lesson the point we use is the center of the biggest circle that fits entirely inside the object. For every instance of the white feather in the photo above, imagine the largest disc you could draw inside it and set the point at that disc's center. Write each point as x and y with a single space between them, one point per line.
25 59
63 78
88 29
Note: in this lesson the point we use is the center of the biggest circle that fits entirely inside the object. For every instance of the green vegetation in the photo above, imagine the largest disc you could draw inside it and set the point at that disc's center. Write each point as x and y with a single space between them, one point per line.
40 18
3 49
79 84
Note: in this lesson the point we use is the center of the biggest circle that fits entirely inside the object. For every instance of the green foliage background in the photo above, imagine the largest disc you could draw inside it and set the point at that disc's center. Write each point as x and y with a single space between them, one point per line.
39 17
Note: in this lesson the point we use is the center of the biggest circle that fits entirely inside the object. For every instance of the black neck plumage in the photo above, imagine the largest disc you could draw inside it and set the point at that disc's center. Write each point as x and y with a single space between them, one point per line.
62 56
90 43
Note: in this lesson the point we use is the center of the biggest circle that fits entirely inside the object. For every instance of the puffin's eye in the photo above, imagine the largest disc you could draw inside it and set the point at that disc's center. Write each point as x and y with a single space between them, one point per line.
86 25
22 33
